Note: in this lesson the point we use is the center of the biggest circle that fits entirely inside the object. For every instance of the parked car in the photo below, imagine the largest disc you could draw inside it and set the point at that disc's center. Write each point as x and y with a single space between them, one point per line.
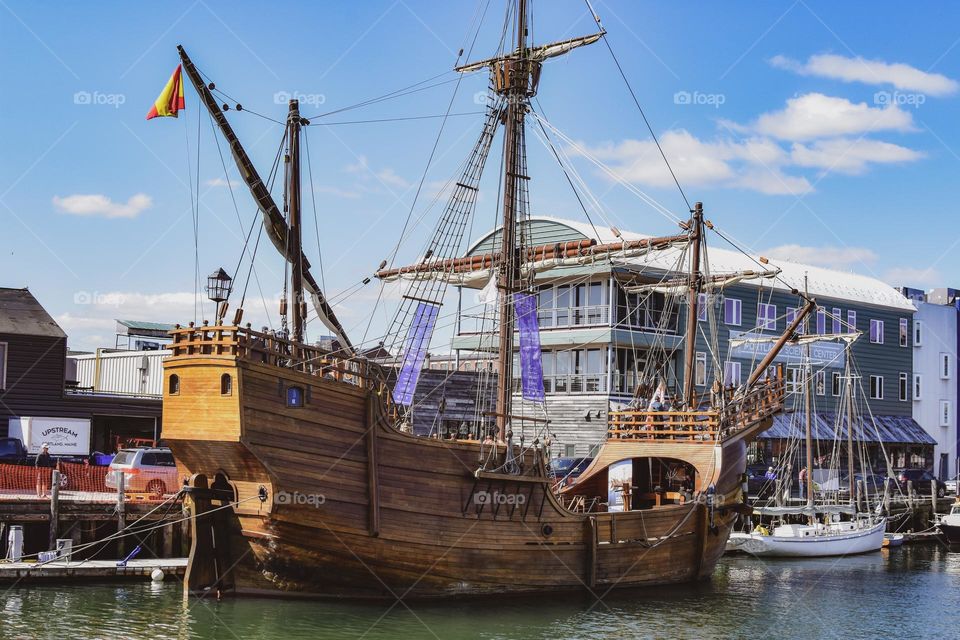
12 451
758 485
873 483
921 479
147 470
567 469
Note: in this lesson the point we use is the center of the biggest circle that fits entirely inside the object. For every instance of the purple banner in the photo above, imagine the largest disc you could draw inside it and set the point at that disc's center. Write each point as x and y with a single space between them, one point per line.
418 340
531 366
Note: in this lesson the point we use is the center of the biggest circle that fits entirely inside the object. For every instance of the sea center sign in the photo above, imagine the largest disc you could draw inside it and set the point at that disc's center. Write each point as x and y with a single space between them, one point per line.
822 354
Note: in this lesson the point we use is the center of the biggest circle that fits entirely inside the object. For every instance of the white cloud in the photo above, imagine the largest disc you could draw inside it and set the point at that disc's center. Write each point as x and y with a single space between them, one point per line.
825 256
876 72
222 182
814 115
390 178
753 164
773 182
850 156
912 276
336 191
101 205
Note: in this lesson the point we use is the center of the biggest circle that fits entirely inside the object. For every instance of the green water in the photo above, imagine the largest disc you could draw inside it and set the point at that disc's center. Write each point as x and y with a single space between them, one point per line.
908 593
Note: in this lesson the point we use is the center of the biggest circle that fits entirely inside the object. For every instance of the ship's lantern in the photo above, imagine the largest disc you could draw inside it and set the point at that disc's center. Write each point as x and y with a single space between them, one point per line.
219 285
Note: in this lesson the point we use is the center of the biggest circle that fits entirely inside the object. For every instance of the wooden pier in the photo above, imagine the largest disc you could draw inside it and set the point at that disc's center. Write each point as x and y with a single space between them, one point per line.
88 570
86 517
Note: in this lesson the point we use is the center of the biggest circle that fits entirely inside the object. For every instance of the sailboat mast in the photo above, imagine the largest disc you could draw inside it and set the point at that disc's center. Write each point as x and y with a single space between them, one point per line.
807 381
693 302
517 72
850 478
294 239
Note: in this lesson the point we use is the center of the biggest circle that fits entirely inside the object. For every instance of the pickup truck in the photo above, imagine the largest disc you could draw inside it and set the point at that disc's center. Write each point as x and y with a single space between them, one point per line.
12 451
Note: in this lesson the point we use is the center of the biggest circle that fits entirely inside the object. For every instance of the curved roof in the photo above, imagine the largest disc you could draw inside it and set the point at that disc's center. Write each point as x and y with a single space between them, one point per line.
821 282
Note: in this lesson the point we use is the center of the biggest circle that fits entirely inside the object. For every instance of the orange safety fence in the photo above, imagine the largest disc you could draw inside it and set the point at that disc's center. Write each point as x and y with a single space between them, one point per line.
24 480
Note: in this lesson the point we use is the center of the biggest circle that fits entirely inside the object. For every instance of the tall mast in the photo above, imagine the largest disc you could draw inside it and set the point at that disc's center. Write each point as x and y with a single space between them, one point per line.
850 477
294 240
273 220
517 73
808 420
693 301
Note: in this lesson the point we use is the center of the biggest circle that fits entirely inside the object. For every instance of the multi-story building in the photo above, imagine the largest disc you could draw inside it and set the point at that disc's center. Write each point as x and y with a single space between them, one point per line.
599 342
934 386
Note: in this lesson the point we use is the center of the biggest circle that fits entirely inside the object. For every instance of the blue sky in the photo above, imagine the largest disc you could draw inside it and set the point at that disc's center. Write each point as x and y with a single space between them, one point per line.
819 131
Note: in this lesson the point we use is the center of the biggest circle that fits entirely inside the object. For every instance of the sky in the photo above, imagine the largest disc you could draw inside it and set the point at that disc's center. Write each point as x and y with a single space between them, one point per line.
819 132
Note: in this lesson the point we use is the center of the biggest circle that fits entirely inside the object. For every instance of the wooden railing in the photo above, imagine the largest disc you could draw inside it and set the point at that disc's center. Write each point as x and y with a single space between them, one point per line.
267 348
736 412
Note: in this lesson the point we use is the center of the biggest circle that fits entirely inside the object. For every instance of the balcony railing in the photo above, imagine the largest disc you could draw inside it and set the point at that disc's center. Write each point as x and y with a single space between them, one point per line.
736 413
259 347
569 384
557 318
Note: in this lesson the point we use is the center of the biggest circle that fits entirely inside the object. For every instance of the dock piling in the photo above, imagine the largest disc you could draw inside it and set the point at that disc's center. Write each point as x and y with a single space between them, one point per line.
54 507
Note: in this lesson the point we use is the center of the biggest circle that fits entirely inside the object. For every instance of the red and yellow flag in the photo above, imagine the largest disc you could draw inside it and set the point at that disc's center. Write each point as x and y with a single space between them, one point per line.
170 100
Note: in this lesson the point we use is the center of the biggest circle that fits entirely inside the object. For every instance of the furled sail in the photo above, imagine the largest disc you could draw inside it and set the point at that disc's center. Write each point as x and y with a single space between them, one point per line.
273 220
475 271
716 282
537 54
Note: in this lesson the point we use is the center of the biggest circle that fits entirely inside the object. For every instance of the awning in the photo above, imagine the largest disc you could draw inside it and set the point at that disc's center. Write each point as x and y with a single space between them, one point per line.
885 429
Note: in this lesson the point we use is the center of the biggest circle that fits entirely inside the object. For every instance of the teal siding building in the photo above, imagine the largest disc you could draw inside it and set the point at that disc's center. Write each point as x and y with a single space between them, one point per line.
597 338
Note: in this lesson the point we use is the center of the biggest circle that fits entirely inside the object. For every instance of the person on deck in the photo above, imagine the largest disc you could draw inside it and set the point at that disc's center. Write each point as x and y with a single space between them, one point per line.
44 464
802 479
770 474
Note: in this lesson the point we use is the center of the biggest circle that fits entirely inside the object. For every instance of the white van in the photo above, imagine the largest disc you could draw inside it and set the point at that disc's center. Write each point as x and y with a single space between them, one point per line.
149 470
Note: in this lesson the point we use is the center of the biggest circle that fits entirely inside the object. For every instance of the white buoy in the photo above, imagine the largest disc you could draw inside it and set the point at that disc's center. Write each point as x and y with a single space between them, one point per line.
157 575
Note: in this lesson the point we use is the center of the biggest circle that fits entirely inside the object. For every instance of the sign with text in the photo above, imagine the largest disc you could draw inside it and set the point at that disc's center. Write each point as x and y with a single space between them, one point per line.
822 354
66 436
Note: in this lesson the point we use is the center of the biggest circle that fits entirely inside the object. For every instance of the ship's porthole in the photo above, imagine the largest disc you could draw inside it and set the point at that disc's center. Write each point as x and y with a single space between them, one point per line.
546 530
226 384
174 385
294 396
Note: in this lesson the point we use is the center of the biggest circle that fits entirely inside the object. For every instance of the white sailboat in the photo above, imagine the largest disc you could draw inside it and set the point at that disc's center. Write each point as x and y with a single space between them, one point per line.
824 533
834 537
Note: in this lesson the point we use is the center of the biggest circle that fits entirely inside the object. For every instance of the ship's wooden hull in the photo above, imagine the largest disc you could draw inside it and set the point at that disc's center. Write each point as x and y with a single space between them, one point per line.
330 500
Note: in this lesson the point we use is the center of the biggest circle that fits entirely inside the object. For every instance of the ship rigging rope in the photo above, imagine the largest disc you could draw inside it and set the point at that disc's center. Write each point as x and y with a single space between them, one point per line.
633 95
246 242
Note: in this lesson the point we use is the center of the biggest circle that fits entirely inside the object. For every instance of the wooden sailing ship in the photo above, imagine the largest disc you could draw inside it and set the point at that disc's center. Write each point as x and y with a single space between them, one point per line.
303 479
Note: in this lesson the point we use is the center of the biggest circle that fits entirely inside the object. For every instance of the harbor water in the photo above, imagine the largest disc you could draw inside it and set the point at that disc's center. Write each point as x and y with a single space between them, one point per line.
904 592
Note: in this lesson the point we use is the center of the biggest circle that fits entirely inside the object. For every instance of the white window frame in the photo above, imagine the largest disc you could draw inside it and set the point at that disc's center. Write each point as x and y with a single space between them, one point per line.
701 357
764 319
737 312
731 373
4 349
879 325
837 320
917 386
903 388
851 321
793 380
904 332
879 389
702 307
946 367
836 386
917 333
946 412
820 382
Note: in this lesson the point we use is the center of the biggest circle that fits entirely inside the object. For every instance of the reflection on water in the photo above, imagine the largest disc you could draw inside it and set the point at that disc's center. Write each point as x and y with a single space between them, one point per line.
911 590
